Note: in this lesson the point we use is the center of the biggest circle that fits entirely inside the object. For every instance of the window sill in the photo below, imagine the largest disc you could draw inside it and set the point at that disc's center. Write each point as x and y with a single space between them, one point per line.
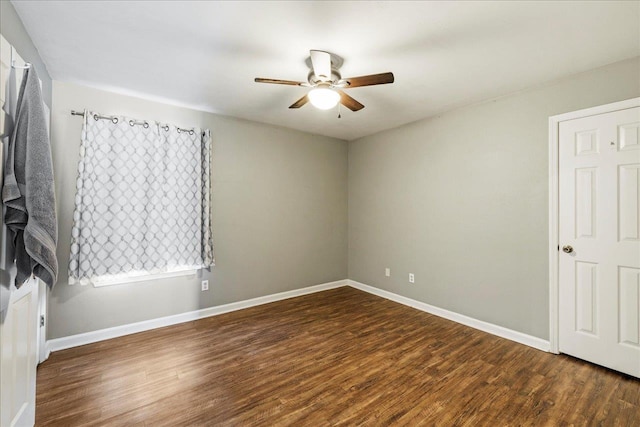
123 280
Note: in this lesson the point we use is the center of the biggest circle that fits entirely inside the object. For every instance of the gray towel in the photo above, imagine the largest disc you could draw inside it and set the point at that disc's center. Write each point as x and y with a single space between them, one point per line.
28 192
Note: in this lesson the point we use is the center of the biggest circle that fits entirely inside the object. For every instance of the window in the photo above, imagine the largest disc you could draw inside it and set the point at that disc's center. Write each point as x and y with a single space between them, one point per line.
142 203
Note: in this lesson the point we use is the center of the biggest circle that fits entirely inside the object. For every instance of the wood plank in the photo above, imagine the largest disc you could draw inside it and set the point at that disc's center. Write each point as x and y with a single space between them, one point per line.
339 357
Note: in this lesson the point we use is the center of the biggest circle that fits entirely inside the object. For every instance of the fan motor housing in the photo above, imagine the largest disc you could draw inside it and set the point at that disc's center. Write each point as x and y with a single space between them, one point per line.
313 80
336 63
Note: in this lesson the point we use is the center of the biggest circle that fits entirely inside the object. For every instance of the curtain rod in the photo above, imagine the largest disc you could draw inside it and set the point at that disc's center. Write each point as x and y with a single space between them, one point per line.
97 116
131 122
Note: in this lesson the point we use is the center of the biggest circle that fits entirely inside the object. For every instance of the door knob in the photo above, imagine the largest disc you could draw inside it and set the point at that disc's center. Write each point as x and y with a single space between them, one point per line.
567 249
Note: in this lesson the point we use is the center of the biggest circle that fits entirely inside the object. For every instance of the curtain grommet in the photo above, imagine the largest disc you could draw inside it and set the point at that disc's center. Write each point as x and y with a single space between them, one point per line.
114 120
95 117
145 125
131 123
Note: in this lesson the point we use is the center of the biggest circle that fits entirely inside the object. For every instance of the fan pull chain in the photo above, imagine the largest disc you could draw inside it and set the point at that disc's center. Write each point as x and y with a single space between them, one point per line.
339 115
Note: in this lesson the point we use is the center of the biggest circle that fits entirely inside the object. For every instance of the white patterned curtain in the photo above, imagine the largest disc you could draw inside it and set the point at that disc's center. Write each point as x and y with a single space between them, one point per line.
142 202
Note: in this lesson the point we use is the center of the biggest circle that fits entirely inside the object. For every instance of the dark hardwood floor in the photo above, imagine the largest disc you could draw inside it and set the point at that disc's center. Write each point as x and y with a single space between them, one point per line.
340 357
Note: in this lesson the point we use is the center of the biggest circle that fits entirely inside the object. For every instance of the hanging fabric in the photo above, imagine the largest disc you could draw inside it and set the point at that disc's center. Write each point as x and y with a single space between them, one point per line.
142 204
28 189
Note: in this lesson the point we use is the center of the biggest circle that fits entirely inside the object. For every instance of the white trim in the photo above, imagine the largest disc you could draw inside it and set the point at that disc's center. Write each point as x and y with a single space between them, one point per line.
600 109
43 291
118 331
554 212
553 235
100 282
47 351
132 328
500 331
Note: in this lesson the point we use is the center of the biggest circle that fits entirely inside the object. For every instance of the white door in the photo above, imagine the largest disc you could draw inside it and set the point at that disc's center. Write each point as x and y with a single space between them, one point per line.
18 357
18 309
599 235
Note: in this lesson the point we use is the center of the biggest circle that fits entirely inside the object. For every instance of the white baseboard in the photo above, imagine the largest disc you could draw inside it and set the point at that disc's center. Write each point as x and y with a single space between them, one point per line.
132 328
500 331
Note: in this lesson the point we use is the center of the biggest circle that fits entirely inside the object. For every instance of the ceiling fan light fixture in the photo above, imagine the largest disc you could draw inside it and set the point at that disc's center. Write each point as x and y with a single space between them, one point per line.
326 82
324 98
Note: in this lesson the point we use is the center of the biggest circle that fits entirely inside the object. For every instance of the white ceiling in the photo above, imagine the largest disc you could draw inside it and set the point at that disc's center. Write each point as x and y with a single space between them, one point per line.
205 55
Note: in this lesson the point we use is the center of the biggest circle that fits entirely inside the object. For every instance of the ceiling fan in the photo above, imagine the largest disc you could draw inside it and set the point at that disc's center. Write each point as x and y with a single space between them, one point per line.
326 82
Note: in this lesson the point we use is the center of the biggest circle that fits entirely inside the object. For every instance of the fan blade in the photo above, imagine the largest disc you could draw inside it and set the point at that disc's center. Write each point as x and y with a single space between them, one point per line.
373 79
300 102
321 64
349 102
278 82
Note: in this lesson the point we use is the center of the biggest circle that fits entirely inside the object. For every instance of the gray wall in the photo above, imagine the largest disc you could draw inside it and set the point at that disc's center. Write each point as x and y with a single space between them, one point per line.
279 215
461 201
12 29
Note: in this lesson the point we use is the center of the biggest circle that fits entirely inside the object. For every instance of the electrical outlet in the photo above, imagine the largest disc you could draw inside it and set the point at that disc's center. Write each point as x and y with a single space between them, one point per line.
205 285
387 272
412 278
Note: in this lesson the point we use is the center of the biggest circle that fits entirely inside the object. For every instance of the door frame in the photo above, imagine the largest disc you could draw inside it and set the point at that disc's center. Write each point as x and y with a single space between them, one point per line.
554 205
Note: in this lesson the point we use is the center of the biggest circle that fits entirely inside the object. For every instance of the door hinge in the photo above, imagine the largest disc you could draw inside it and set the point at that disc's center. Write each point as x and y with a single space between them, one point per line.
41 321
